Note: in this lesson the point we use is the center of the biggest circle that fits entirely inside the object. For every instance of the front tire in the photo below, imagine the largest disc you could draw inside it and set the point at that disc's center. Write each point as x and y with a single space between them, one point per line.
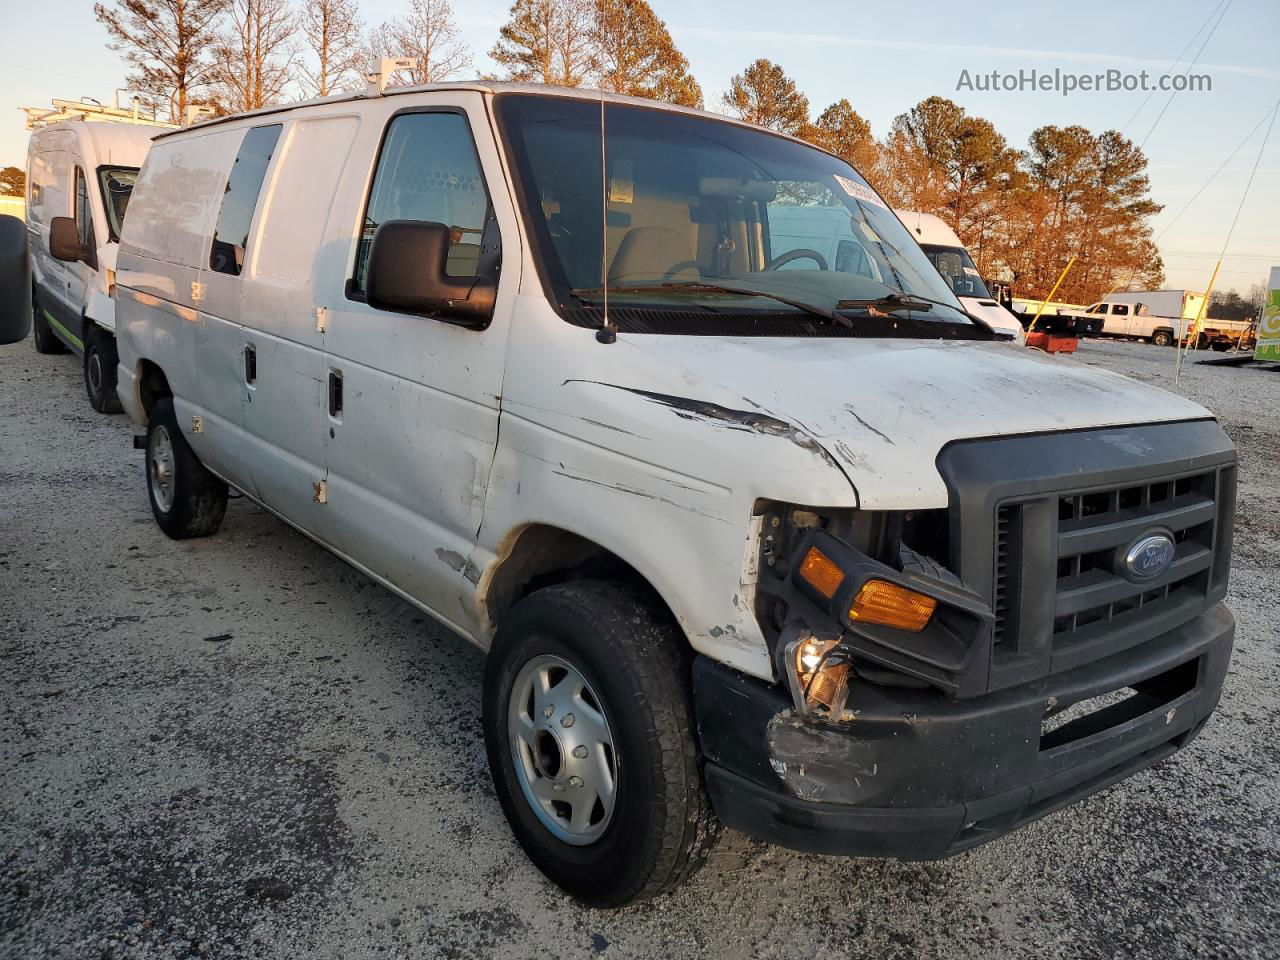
186 499
100 360
595 658
46 340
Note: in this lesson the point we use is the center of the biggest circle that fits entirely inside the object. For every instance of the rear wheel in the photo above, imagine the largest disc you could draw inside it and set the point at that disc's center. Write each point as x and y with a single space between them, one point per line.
588 727
46 341
186 499
1162 338
100 361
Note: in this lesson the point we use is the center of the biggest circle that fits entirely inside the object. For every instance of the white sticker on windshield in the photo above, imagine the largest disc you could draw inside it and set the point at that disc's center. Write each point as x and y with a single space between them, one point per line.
858 191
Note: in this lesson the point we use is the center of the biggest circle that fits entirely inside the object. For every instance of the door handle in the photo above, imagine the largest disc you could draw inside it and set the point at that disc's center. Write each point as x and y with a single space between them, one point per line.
335 393
250 363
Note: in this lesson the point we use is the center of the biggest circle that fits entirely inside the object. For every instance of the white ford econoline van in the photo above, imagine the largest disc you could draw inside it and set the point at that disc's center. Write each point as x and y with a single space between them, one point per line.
806 551
948 254
79 178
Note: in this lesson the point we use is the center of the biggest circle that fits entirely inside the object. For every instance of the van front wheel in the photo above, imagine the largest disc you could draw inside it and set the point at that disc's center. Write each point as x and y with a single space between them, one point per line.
186 499
589 731
100 361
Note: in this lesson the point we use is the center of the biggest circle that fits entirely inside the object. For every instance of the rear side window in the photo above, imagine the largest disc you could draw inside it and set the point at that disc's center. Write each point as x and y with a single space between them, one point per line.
428 170
240 199
1120 310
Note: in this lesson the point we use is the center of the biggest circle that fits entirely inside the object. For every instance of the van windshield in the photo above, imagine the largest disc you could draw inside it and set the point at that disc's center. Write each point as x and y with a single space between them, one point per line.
117 186
710 224
957 268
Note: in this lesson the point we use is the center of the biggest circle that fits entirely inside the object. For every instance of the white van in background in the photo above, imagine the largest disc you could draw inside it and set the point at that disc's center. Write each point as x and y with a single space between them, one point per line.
948 254
80 175
752 531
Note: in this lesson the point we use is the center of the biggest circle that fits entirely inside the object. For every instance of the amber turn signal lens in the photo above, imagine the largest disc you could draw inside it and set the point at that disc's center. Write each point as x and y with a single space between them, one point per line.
890 605
820 572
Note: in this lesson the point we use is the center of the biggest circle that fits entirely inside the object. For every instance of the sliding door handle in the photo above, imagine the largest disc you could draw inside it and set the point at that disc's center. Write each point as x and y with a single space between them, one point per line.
335 393
250 363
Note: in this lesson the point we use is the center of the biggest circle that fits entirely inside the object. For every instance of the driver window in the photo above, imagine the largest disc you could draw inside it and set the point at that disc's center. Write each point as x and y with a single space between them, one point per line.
429 170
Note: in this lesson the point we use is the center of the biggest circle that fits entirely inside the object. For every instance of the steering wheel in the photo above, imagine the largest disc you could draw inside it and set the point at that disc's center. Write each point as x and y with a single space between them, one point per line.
800 253
682 265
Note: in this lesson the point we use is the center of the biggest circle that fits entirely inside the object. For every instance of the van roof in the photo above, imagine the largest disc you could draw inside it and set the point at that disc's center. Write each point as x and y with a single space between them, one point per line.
477 86
121 144
927 228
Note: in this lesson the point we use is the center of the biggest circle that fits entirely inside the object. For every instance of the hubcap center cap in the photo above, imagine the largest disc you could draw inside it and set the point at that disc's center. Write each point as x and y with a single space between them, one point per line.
547 754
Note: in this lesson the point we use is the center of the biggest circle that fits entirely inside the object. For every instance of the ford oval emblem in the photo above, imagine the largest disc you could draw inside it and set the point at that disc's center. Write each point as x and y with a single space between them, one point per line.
1149 557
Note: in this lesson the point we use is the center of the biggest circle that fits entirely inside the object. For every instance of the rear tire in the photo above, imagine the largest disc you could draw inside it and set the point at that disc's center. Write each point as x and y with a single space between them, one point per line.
186 499
46 340
1162 338
655 826
100 359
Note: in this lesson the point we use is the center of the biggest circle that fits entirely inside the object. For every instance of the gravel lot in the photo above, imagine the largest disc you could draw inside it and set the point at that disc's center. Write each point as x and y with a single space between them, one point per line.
239 747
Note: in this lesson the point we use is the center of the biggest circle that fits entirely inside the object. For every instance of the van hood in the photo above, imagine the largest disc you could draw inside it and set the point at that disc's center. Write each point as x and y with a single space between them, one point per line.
995 316
884 409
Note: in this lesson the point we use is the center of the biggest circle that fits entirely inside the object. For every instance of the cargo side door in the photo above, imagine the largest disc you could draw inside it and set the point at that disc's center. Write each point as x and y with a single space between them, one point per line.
222 364
288 286
412 402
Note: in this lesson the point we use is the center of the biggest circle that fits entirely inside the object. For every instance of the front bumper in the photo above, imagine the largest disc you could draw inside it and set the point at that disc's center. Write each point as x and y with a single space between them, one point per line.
918 776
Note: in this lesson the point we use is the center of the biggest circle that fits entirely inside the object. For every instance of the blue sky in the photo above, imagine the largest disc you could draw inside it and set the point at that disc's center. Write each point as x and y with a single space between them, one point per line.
885 57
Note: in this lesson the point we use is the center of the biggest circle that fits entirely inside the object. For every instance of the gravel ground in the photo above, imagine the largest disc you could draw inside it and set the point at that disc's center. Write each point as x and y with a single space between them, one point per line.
240 747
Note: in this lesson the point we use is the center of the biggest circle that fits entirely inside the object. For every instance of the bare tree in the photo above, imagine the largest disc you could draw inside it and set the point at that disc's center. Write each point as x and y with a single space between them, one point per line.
428 33
334 33
257 55
165 43
549 41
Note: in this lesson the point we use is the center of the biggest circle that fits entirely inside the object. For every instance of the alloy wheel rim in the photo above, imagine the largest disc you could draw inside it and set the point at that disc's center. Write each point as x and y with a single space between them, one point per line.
563 750
160 463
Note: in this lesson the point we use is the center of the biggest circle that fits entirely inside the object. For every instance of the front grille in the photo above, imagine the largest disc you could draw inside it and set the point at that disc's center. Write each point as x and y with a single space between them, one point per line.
1036 522
1096 610
1094 526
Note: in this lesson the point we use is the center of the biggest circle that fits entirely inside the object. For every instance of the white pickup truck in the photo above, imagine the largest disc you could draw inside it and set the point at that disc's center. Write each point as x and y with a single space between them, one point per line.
1133 321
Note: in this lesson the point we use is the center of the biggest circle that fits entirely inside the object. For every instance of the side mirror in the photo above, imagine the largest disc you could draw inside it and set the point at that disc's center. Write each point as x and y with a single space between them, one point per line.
64 240
406 273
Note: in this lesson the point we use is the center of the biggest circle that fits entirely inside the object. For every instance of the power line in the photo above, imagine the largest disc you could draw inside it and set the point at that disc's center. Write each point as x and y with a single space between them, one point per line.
1176 61
1193 62
1271 112
1249 182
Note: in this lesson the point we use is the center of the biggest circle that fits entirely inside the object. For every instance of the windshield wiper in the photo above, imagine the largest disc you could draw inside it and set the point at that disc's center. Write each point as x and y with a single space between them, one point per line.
810 308
905 301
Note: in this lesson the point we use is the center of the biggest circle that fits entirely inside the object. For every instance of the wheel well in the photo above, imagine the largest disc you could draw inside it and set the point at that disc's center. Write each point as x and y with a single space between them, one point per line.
543 555
152 385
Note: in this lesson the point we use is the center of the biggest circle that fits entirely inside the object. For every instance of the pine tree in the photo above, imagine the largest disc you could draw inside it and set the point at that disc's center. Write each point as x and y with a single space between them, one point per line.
637 57
763 94
548 41
165 41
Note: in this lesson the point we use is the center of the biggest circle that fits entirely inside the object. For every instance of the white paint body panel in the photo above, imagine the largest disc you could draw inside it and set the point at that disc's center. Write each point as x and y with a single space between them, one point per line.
453 441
